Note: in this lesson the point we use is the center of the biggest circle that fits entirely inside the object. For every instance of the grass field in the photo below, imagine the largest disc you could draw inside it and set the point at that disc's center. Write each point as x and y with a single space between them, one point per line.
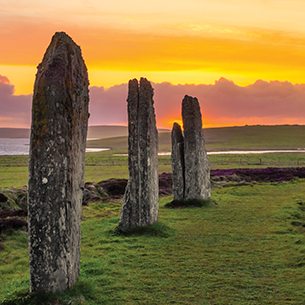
103 165
249 249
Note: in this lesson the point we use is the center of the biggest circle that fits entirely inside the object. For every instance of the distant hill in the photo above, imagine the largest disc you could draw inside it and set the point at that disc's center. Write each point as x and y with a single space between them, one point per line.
228 138
14 133
108 131
224 138
96 132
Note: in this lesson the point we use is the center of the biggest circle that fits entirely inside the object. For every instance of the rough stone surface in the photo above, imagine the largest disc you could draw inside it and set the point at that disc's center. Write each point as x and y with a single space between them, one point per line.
196 180
140 202
177 159
56 168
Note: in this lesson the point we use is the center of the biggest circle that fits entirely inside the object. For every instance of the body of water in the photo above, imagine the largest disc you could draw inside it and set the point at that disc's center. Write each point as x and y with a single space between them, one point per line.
237 152
22 146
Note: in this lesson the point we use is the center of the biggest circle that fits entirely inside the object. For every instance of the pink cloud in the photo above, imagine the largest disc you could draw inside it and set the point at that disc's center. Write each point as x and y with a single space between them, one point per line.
15 109
227 102
4 80
108 106
222 103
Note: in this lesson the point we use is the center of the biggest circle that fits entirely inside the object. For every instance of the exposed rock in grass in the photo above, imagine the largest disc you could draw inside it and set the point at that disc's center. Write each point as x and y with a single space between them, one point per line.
90 186
90 196
176 204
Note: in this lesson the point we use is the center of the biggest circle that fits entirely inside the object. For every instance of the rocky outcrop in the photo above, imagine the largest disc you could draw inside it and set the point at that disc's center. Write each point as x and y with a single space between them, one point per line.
140 202
56 168
190 163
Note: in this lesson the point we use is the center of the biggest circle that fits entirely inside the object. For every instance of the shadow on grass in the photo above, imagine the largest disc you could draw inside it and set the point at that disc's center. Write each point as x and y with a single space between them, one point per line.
178 204
155 230
26 298
74 296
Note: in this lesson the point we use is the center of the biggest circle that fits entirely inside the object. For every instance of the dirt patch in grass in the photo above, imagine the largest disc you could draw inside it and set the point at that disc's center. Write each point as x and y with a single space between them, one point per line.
13 223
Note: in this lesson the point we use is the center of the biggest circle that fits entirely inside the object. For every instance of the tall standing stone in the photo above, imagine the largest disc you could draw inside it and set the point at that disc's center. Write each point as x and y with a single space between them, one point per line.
56 167
190 163
177 159
140 202
197 166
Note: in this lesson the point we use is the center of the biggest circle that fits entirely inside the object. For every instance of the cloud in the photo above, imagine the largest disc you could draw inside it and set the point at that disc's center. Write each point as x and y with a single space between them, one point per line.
108 106
222 104
4 80
15 109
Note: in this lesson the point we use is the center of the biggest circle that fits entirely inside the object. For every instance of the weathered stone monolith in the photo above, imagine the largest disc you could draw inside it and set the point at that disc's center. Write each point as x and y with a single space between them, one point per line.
177 159
197 166
140 202
190 163
56 167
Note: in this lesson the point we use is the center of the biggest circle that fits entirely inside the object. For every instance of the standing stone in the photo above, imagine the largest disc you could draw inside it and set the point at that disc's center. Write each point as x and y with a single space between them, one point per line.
197 167
190 163
177 158
56 168
140 202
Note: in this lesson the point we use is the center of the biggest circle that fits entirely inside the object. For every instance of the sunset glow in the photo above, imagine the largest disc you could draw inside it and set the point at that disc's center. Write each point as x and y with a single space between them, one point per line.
179 42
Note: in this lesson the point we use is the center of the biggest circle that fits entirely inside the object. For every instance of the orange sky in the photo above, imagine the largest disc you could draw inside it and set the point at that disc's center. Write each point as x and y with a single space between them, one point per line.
181 42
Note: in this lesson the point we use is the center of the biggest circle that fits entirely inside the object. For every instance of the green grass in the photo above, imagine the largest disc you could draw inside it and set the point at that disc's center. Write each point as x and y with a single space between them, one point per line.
103 165
249 249
255 137
228 138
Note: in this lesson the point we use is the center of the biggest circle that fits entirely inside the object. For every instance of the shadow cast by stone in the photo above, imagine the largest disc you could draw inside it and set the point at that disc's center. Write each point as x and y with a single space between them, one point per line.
154 230
191 203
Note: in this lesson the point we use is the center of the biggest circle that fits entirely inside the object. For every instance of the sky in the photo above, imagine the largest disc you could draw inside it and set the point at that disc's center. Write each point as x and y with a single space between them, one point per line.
243 60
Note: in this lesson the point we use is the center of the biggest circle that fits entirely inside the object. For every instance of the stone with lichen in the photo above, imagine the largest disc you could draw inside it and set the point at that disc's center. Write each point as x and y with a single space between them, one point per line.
140 202
190 163
56 167
196 162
